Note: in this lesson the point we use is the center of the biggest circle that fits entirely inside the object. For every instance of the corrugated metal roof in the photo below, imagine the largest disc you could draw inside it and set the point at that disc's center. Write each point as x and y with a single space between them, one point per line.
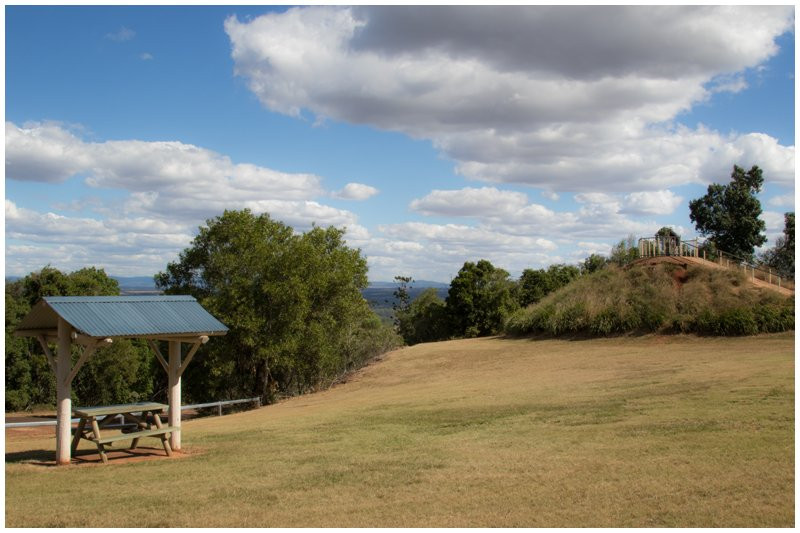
124 316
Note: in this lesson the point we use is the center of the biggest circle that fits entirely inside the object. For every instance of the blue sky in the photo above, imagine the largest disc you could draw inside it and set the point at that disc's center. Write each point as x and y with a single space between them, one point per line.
523 135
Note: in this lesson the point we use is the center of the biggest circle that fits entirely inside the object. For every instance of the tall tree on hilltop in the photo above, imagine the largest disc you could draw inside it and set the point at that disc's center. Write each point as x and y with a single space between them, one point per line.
729 214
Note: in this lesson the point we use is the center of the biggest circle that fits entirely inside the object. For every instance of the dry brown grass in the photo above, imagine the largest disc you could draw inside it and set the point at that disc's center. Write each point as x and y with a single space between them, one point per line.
649 431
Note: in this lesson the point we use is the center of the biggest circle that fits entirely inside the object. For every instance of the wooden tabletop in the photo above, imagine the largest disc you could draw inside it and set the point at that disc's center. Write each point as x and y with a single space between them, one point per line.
118 409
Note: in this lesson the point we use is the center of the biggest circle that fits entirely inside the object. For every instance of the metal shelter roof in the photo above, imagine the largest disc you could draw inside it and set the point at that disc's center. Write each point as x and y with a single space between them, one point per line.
123 316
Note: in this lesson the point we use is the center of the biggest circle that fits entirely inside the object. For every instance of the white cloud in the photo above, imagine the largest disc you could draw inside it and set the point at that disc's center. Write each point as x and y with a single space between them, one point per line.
783 200
172 188
165 177
355 191
550 195
774 221
43 152
486 201
121 35
146 56
532 95
652 203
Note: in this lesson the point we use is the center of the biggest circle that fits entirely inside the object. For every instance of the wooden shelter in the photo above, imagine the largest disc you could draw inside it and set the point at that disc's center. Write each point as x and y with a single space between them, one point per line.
95 321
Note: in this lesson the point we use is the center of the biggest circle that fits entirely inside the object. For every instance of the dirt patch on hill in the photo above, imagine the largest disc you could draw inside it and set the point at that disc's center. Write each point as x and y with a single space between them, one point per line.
679 277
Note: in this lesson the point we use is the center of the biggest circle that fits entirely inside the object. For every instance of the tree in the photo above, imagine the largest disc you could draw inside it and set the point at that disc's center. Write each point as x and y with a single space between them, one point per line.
781 257
479 300
402 301
425 319
534 285
593 263
625 252
292 304
729 214
122 372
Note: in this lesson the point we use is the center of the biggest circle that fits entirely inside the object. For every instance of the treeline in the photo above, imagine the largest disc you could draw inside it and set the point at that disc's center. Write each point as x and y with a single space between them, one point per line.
479 301
292 302
121 373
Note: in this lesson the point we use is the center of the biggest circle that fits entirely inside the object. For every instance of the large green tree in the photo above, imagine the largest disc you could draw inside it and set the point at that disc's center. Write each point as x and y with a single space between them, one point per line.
729 214
292 303
480 298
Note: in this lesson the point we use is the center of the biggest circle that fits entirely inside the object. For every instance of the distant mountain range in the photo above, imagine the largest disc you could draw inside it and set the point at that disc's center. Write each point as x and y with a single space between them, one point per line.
146 284
420 284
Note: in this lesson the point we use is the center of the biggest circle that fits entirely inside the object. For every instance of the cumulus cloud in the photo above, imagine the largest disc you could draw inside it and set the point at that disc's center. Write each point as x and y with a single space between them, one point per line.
569 98
440 250
171 188
182 179
486 201
121 35
355 191
507 229
652 203
783 200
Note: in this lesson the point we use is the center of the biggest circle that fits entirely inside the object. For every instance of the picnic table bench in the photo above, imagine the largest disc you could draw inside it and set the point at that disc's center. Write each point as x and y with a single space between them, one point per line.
89 426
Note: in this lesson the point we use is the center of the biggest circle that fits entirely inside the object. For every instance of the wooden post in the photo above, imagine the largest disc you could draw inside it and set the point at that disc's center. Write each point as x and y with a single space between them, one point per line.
63 390
175 394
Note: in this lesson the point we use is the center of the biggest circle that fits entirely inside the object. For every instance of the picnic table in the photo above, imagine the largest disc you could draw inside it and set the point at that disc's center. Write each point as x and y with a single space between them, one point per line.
89 426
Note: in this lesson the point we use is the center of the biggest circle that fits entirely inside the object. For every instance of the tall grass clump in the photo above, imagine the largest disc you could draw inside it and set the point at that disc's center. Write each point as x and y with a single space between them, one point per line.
661 298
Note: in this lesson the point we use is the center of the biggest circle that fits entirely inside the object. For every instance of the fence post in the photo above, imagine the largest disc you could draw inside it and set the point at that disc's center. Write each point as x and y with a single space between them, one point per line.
219 409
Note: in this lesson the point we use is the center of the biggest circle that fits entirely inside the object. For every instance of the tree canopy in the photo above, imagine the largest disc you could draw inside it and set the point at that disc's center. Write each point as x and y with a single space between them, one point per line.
122 372
292 303
479 300
534 285
729 214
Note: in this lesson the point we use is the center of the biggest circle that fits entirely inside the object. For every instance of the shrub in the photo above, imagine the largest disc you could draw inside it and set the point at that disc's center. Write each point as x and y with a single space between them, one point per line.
657 299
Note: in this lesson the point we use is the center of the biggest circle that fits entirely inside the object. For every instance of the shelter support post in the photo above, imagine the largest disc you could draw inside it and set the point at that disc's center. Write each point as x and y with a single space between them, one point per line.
174 373
63 390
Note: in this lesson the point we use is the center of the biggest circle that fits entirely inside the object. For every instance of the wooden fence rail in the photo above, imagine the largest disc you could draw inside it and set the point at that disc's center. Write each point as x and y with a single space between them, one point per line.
660 246
218 405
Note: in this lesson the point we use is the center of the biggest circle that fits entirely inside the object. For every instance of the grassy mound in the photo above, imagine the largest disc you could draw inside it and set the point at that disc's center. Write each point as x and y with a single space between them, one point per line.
663 298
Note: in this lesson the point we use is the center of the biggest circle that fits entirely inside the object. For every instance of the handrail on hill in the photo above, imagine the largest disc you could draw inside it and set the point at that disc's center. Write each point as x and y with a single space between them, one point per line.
662 245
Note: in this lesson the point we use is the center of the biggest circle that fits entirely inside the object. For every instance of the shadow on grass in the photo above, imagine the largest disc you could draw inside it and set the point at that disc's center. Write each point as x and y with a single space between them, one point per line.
35 457
81 457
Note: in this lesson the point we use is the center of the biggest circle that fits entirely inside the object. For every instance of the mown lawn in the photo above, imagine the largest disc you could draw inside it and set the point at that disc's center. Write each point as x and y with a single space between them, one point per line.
649 431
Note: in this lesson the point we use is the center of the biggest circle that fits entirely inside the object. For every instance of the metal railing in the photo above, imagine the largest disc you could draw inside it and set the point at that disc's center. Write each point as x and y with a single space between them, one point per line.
218 405
661 246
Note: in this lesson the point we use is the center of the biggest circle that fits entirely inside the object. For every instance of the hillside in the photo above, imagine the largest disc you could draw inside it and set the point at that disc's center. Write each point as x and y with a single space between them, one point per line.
663 297
647 431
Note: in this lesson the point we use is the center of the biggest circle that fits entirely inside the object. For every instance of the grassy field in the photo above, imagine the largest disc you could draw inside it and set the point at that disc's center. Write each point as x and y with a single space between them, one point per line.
648 431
